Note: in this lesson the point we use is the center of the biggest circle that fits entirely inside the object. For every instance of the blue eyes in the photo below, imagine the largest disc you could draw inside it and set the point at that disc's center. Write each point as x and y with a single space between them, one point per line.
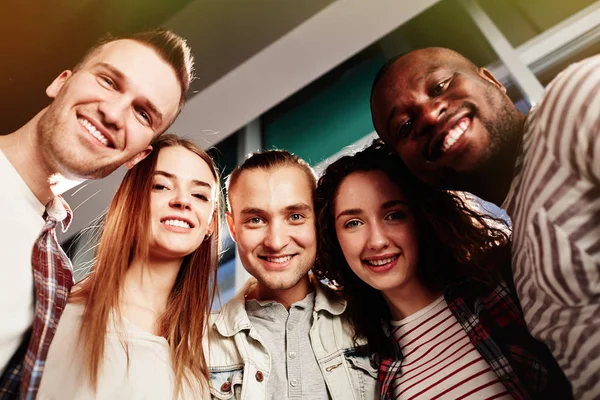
394 216
352 224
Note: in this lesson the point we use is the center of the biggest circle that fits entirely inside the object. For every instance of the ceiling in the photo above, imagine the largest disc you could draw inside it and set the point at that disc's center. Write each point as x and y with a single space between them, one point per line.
41 38
250 55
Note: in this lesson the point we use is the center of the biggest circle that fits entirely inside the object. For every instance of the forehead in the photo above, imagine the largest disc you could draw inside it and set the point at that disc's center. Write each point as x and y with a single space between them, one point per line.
185 164
412 70
367 189
271 190
146 73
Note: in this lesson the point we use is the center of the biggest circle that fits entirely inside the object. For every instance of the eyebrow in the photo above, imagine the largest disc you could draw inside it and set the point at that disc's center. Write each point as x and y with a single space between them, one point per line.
358 211
158 117
298 207
423 76
196 182
429 71
252 210
290 208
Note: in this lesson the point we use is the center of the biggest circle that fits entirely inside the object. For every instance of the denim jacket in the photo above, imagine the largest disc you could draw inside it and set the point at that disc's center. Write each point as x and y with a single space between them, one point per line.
240 364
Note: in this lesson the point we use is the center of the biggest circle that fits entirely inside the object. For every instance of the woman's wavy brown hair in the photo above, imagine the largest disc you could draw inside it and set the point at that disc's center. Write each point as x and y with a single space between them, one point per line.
125 236
455 239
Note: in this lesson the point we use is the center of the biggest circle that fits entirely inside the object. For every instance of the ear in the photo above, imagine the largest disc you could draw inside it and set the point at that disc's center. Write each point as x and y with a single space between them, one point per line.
57 84
211 226
488 76
138 157
231 225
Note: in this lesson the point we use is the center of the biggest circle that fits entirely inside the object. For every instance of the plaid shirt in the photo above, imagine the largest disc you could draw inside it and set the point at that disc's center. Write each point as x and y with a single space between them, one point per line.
493 321
53 278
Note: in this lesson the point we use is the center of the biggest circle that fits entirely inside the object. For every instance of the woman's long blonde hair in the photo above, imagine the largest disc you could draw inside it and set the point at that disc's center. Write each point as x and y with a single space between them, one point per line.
125 236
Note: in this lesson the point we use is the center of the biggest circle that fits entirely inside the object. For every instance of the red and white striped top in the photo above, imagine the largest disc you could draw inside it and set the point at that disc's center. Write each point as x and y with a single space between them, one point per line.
439 361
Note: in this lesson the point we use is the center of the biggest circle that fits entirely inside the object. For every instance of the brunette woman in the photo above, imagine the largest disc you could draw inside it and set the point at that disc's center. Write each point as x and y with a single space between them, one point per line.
427 280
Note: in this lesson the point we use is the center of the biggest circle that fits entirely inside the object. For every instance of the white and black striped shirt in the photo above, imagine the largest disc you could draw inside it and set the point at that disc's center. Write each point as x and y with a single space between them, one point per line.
554 203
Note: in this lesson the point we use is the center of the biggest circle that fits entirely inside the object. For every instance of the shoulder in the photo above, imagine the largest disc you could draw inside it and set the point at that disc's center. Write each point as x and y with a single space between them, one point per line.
71 316
570 94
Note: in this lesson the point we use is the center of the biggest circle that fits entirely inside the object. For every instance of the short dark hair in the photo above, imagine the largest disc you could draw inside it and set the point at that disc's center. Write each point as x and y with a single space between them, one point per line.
269 160
171 47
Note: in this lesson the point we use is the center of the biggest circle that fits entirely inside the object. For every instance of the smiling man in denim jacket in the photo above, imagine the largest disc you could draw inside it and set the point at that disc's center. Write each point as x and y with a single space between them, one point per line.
284 336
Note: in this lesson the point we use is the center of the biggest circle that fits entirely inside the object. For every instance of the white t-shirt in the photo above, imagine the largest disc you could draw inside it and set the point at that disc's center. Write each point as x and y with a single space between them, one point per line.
439 360
20 225
149 376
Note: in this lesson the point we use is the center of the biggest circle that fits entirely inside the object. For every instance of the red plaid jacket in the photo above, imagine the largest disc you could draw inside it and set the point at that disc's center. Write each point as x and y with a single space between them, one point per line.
53 278
493 320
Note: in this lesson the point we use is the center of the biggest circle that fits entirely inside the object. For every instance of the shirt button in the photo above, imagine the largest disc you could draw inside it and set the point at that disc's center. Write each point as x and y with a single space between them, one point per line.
294 382
292 354
259 376
226 387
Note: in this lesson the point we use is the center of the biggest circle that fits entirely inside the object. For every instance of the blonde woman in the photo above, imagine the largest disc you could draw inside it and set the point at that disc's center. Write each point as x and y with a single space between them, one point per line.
133 328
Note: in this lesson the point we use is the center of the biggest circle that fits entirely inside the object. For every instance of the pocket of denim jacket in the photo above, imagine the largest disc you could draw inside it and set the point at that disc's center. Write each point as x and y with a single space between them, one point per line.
363 363
226 384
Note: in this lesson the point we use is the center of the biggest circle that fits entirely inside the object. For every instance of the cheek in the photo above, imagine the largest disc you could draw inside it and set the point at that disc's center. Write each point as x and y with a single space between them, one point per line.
138 135
410 244
351 245
248 240
205 213
306 236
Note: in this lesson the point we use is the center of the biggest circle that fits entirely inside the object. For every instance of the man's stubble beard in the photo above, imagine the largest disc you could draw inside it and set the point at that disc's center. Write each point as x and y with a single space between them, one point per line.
505 132
62 157
276 284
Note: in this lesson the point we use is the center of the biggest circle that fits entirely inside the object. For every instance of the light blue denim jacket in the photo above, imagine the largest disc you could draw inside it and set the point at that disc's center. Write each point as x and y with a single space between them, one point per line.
240 363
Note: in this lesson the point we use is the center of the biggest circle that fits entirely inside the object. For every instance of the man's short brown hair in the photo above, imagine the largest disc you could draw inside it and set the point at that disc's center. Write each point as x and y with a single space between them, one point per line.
172 48
269 160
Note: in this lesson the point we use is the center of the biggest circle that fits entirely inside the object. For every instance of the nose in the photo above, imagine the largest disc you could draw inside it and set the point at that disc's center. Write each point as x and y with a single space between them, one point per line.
276 237
378 238
432 111
181 200
113 112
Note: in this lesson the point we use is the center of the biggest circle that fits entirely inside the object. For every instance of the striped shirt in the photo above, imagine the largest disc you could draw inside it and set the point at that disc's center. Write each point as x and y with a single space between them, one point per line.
554 203
439 359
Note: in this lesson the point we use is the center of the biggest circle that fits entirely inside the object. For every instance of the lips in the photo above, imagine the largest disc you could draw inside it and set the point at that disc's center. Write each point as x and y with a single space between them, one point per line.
179 222
100 135
277 259
380 261
447 137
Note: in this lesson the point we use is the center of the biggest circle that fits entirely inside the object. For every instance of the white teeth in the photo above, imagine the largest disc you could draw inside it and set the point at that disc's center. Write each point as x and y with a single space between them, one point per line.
94 132
176 222
377 263
454 134
278 260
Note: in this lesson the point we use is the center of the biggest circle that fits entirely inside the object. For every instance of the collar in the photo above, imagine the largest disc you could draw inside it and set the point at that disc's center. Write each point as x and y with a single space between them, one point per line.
58 209
233 318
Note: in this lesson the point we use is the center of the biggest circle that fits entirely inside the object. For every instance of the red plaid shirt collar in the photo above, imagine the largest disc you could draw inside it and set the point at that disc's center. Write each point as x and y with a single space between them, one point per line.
53 278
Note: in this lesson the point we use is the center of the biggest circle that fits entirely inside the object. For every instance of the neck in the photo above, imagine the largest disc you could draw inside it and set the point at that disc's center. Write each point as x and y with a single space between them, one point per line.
407 300
148 284
23 152
287 297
